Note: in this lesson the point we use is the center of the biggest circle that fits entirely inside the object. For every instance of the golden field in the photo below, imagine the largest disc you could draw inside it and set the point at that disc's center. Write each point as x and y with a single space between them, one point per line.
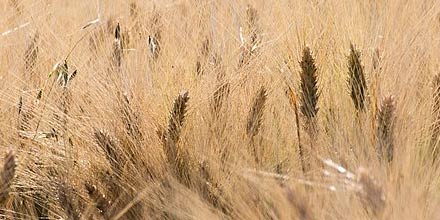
199 109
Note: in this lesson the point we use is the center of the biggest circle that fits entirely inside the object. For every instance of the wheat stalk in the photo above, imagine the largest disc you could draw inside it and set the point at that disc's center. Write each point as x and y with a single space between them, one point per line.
293 102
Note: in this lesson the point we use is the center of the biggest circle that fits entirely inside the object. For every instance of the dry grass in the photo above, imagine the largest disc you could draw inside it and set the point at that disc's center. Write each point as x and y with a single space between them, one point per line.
178 109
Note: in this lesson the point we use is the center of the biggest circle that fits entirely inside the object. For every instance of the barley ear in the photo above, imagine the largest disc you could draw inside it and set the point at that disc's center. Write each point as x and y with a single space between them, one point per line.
435 130
385 129
249 46
68 201
203 57
309 86
371 194
31 53
255 117
252 18
117 48
296 201
254 121
223 88
103 204
154 39
356 80
134 10
220 96
176 119
7 175
175 156
130 118
309 96
112 152
17 6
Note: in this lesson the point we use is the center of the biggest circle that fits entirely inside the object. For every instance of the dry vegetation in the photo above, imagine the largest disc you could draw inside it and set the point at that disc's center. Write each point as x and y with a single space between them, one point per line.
192 109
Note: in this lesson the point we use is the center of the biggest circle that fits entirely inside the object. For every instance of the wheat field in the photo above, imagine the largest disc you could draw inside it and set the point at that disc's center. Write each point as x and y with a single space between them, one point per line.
200 109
